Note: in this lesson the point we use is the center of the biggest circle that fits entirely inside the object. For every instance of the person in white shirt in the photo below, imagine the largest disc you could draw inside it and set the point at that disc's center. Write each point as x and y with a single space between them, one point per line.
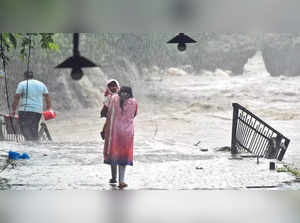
29 97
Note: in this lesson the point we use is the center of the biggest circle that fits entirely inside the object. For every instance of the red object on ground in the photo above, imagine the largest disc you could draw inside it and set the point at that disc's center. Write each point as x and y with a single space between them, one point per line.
49 114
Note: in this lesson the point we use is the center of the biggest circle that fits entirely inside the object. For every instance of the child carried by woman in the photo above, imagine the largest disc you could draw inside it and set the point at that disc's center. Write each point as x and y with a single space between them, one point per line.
112 88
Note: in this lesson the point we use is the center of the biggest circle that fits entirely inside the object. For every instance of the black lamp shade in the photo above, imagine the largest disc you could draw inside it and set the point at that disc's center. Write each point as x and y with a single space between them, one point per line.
76 61
182 38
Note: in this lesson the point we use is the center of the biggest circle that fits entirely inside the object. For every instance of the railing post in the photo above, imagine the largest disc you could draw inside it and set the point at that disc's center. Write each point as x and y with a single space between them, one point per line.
283 149
1 131
234 150
44 130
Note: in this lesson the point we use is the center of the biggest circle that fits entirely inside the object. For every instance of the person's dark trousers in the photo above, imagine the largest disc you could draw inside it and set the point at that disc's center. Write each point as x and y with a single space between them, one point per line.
29 124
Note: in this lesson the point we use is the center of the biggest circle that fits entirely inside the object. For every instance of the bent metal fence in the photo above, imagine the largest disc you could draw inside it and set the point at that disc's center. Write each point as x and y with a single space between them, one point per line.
10 130
253 135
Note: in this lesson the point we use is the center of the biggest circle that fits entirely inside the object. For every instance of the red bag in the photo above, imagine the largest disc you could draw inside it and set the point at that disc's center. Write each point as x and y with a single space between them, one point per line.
49 114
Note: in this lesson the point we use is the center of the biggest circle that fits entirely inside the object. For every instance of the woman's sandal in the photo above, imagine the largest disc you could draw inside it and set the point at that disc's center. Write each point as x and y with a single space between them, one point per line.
112 181
122 185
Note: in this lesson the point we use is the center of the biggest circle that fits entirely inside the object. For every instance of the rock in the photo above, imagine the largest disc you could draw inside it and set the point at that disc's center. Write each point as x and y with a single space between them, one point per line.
228 52
281 54
222 73
188 68
155 68
176 71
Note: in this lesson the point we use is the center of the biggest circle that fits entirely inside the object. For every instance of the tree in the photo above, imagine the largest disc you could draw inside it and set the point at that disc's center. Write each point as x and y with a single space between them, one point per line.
11 41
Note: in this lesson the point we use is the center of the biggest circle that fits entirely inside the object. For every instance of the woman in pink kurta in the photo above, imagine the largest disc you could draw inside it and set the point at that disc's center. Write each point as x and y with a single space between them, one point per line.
119 133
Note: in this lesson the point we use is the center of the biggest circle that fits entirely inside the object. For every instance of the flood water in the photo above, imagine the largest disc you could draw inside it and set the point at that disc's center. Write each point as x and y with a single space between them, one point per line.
178 116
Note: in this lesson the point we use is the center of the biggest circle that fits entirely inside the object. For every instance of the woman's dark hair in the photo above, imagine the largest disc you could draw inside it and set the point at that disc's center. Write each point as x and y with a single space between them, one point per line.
128 90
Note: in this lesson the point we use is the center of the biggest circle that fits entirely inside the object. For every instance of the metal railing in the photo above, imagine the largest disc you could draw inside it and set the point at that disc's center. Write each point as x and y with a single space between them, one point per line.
253 135
10 130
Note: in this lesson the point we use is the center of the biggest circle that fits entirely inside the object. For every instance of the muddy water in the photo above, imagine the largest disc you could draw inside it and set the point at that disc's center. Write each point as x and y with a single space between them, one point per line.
167 155
178 116
74 160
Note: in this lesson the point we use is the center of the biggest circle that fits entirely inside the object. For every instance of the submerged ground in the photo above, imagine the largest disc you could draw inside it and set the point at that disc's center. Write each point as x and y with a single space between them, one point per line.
180 116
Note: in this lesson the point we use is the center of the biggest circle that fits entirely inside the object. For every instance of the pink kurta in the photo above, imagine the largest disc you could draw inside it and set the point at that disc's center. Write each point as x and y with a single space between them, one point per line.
119 132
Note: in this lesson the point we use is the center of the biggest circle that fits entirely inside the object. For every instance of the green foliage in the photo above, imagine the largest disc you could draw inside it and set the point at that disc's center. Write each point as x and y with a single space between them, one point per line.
292 170
8 41
281 169
22 41
45 40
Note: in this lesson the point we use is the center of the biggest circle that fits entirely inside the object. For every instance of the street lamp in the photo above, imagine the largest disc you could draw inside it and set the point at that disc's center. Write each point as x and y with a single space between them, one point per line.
181 39
76 62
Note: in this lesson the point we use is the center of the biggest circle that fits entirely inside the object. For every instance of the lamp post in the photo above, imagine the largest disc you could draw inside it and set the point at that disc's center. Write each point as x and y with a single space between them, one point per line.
76 62
181 39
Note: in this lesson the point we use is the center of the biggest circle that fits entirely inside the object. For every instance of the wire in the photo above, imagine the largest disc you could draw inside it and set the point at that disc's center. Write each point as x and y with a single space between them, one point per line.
28 62
29 50
6 89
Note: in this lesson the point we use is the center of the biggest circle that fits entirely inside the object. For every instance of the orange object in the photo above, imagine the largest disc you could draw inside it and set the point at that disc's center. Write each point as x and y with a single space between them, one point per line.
49 114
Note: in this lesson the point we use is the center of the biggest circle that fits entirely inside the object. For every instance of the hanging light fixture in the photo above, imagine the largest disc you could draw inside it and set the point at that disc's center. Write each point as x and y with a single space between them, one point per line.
181 39
76 62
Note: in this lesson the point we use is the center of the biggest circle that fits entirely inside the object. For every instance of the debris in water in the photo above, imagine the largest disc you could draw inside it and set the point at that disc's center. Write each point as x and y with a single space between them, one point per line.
249 156
196 144
223 149
199 168
258 187
16 156
12 158
252 134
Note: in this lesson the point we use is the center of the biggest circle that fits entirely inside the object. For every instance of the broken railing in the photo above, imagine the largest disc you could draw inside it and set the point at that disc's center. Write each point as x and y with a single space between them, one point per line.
253 135
10 130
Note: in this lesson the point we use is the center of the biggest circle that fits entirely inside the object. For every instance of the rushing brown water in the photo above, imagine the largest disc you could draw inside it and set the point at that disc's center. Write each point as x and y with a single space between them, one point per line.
179 114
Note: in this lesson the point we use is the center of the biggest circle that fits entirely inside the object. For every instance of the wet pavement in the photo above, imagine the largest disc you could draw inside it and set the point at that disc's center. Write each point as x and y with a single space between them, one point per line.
174 150
67 166
171 139
179 118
